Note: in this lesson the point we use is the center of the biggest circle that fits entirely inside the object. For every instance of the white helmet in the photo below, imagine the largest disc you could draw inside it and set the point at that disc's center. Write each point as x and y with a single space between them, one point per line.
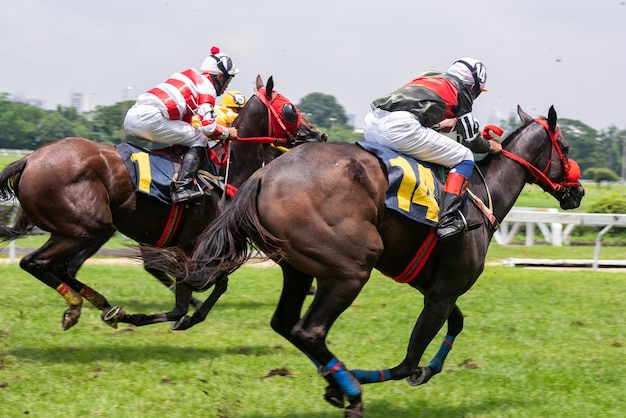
219 63
471 72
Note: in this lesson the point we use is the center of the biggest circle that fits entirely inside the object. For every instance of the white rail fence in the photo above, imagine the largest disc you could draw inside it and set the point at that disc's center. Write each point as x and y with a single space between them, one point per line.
550 223
555 227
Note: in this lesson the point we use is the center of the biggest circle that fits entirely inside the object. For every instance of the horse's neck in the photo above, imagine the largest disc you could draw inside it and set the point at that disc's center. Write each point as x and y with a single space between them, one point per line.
504 180
245 159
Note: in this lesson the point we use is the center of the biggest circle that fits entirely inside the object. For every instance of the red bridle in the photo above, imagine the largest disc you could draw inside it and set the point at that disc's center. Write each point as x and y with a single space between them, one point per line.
274 121
541 176
274 114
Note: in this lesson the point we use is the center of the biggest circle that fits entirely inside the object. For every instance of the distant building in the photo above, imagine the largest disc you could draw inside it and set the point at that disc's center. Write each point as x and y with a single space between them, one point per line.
32 102
83 102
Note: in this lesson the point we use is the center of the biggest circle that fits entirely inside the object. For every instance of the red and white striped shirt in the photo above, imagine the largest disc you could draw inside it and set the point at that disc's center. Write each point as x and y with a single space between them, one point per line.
187 94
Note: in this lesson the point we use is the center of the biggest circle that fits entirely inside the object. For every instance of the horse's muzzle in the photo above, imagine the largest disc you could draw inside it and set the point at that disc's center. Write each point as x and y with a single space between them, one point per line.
571 197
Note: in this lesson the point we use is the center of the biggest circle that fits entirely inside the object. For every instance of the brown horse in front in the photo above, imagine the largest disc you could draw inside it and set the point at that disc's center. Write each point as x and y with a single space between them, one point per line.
80 192
320 211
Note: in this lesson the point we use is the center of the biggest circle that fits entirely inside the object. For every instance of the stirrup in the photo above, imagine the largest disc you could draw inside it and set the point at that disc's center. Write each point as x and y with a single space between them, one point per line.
471 224
456 226
181 195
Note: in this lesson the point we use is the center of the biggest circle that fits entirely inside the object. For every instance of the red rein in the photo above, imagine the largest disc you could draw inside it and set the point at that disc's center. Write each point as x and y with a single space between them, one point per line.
572 170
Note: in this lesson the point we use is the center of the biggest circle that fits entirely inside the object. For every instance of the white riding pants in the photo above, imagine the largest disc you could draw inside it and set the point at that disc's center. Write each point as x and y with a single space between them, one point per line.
402 132
146 121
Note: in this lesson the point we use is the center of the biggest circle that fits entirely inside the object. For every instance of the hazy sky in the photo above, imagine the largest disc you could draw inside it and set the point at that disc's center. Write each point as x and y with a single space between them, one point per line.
566 53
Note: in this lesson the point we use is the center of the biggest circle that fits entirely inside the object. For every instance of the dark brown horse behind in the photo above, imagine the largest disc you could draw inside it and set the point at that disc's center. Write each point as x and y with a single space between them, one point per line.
320 211
80 192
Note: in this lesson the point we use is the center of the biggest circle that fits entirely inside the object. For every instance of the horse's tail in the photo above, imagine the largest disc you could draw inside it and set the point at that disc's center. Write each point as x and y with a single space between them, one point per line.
230 240
221 248
9 178
8 185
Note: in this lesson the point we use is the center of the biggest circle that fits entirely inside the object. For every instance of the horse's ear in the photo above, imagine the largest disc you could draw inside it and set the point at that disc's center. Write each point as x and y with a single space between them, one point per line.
552 119
259 82
270 87
525 117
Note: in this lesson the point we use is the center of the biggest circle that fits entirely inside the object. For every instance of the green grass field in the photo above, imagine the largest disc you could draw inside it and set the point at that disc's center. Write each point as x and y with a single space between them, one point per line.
535 344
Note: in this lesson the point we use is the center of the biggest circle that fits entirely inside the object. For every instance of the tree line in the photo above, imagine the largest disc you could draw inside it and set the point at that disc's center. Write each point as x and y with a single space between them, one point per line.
600 154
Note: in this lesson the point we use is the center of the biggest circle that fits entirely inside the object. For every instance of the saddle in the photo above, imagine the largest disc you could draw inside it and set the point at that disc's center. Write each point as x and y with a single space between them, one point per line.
151 170
415 187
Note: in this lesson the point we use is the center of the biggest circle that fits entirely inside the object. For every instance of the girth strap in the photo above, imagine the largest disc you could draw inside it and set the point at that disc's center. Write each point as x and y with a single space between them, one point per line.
419 260
176 212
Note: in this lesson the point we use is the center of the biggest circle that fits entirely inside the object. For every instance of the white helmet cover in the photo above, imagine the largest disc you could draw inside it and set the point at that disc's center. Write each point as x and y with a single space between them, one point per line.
219 63
471 72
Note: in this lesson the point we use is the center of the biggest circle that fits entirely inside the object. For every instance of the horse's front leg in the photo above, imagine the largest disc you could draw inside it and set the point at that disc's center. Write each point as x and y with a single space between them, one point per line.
203 310
423 374
183 297
168 282
430 321
436 311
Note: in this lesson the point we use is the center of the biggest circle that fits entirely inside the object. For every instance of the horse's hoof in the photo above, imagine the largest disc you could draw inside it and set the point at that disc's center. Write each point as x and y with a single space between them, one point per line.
421 376
70 318
334 396
354 411
113 315
182 324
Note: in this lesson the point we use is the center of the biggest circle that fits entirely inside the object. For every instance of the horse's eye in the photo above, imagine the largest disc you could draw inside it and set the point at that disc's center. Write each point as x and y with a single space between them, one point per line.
289 113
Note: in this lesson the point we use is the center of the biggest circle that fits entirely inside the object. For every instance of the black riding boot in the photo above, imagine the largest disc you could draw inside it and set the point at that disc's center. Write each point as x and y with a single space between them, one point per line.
184 189
451 220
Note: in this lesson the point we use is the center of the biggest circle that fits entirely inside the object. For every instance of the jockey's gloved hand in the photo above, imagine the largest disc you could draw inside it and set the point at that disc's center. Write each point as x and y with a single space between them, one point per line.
492 132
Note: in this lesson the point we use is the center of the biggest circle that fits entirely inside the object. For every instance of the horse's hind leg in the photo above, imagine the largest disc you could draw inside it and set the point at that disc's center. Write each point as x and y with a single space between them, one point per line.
309 333
296 287
42 264
56 264
68 275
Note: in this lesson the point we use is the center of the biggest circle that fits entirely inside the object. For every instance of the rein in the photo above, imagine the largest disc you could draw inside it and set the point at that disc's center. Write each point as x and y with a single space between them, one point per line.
273 118
540 176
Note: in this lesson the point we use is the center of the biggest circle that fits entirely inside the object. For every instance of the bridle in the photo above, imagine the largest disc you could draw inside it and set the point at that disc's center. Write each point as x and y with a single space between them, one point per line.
290 134
282 141
540 176
275 122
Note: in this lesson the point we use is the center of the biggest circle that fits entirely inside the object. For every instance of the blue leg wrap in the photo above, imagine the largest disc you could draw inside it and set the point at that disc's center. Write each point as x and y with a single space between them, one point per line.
437 362
344 378
371 376
173 288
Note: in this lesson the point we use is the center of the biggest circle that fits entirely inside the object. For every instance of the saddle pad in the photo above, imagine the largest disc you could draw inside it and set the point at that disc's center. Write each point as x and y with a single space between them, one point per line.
151 170
413 189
